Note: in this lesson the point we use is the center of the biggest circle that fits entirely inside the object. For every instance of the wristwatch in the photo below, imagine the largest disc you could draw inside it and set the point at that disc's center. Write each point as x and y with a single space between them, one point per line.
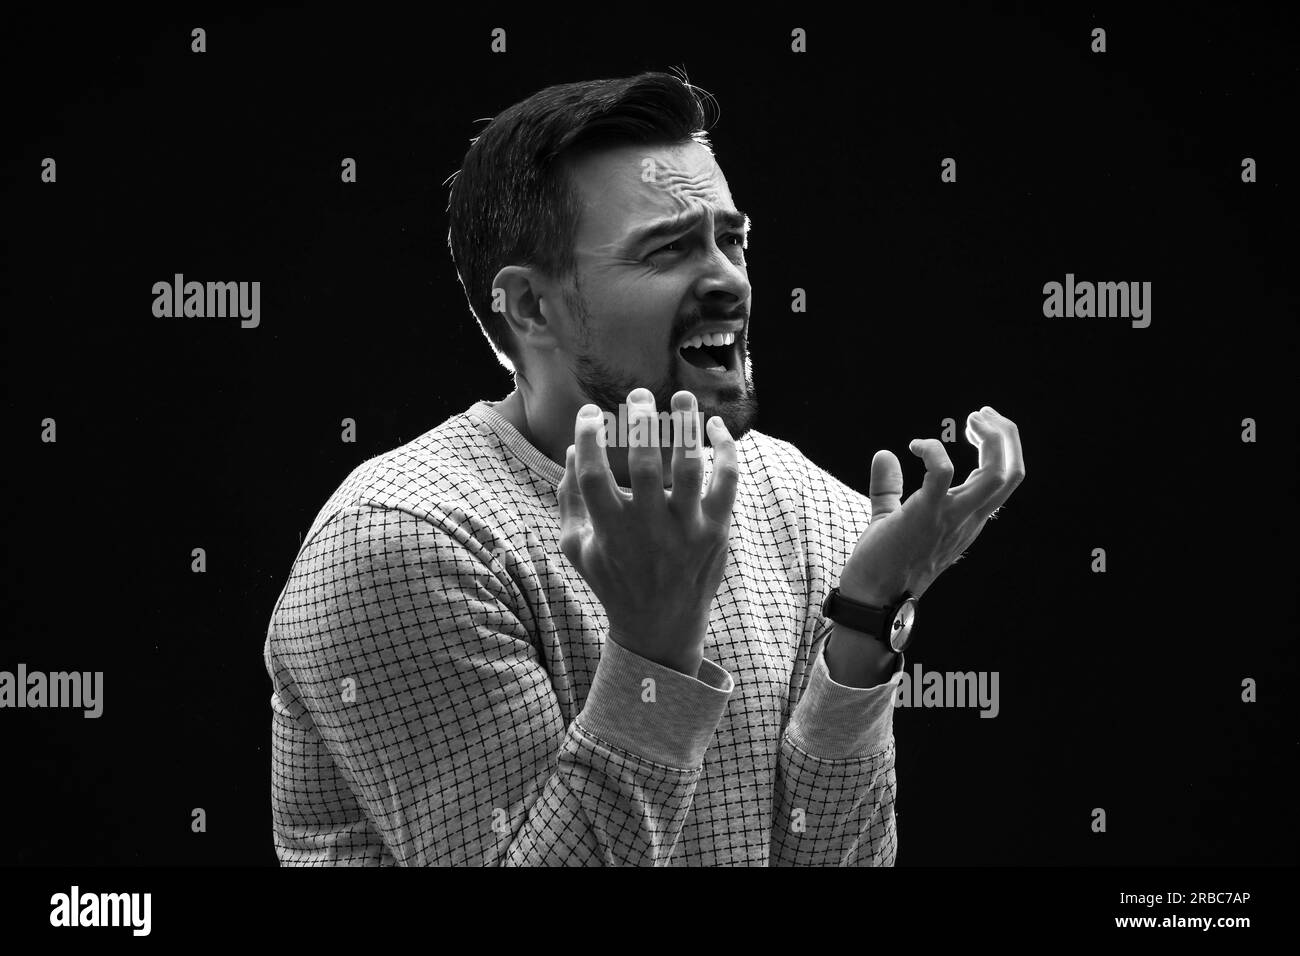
891 624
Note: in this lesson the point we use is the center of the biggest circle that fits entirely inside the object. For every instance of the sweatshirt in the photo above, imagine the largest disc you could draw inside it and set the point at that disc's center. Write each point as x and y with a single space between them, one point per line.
444 692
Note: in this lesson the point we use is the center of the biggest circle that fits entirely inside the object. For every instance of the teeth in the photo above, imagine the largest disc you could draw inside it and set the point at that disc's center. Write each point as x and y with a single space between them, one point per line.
712 338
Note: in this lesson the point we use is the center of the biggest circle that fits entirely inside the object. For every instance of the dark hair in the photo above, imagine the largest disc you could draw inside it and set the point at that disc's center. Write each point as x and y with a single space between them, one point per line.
512 201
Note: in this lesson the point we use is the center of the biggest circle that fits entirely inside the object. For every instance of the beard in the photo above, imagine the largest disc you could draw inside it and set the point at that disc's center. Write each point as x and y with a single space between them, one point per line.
608 388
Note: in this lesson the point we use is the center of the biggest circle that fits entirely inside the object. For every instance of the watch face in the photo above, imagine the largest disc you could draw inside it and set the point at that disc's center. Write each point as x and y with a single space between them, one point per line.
900 631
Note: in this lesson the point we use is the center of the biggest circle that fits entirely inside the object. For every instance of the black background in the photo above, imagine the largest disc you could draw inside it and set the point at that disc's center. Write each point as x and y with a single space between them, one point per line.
1118 690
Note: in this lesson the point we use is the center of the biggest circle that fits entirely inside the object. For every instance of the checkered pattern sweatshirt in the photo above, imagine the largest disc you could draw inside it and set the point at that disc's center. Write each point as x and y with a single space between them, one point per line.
444 692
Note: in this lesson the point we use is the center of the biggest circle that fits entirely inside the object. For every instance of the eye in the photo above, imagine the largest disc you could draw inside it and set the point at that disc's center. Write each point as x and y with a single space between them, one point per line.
738 236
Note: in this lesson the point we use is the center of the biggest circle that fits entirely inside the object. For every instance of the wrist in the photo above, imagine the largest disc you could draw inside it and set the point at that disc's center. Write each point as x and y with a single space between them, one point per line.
855 659
661 651
875 593
874 596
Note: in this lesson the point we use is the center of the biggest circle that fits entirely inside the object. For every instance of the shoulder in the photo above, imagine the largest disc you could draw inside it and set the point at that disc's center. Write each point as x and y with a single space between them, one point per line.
446 476
421 510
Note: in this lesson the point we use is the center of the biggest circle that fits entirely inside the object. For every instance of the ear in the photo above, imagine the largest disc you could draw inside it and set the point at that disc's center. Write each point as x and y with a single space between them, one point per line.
520 293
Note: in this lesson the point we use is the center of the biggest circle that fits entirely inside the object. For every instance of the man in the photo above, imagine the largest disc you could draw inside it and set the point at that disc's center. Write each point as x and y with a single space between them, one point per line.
521 639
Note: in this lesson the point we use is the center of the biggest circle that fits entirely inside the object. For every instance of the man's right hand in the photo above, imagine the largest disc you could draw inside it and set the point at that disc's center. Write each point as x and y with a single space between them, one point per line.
654 558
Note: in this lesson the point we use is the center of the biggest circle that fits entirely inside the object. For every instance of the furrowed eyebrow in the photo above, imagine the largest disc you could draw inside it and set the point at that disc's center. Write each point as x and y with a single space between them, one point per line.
729 218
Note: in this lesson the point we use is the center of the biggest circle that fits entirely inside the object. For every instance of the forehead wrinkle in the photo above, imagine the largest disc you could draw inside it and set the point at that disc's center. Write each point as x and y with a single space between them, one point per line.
683 188
691 195
684 194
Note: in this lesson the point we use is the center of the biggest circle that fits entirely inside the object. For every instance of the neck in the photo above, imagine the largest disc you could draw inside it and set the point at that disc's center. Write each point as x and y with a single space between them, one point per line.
549 429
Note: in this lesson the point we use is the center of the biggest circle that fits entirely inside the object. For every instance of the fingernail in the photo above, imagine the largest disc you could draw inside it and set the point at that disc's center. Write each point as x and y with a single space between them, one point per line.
589 411
640 396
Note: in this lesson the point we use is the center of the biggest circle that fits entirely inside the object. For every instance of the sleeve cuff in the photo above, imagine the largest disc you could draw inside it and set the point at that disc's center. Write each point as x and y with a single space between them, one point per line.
836 722
674 728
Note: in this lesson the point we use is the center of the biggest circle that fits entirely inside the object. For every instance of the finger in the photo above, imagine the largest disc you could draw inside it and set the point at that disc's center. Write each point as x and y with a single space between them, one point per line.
886 487
645 465
1013 462
988 478
1014 455
688 469
721 495
573 510
595 480
938 467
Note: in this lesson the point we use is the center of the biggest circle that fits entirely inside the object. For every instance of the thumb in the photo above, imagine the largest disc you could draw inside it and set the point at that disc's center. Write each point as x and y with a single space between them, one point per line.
886 488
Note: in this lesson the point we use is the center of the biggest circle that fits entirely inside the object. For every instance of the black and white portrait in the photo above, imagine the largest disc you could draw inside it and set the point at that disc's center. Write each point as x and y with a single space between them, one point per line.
742 439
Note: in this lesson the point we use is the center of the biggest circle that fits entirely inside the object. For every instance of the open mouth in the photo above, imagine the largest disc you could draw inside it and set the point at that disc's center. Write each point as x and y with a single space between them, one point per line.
713 352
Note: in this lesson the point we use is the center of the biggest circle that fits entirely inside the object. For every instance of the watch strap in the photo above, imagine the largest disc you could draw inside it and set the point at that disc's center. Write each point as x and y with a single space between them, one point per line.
856 615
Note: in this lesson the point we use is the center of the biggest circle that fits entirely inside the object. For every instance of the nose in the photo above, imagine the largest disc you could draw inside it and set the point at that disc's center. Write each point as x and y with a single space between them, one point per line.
722 278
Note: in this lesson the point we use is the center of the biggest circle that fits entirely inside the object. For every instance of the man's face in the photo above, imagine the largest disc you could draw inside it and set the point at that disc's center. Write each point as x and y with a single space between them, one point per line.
645 295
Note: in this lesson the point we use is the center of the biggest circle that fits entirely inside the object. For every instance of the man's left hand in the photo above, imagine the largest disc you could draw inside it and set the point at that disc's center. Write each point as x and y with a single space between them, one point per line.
906 546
